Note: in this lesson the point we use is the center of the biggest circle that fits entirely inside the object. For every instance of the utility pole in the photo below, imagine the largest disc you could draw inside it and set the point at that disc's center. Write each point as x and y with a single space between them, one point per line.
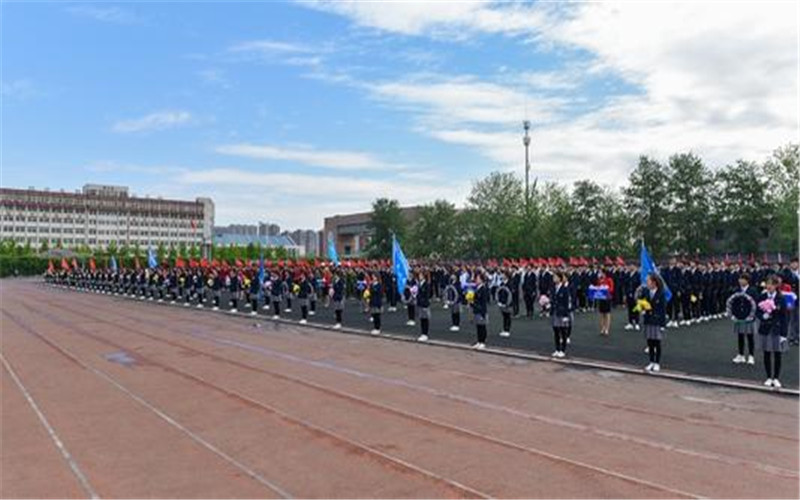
526 140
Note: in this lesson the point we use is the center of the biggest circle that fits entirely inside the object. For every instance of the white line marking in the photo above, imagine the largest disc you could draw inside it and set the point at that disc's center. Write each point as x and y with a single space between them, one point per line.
53 435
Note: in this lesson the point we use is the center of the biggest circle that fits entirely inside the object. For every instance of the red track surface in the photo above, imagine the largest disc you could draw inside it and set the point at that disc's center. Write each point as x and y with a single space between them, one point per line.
193 404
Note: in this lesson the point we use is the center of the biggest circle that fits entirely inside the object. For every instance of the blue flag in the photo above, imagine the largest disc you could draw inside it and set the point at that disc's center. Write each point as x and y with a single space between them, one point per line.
152 262
647 267
332 255
113 264
261 274
400 265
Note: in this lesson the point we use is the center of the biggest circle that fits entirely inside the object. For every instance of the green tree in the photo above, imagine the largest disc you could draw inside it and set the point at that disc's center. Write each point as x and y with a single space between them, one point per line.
495 215
742 204
647 201
436 231
782 173
385 220
690 217
587 201
553 234
44 247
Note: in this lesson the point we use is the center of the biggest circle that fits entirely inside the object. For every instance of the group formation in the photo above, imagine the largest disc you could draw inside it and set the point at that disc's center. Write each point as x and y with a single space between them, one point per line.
759 298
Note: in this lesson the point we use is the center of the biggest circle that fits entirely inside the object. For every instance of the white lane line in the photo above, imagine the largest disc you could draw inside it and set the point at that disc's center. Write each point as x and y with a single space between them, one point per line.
73 465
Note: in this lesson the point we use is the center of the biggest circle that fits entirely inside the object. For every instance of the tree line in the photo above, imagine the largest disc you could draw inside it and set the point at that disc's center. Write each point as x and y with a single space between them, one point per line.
681 206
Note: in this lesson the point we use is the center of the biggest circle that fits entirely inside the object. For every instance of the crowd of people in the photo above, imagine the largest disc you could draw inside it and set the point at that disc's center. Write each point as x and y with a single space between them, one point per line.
759 298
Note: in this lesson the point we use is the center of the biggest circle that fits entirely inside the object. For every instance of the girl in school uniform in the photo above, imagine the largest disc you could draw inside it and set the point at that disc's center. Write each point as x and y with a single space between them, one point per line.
655 320
480 305
424 304
741 308
505 300
375 303
771 314
337 297
561 313
604 303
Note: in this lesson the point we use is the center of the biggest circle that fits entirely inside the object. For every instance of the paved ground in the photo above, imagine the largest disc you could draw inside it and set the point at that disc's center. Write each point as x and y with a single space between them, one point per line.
115 398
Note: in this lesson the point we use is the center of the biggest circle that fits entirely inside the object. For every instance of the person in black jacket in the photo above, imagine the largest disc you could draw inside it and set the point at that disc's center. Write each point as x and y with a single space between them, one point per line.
276 294
255 292
424 304
338 299
480 306
303 296
741 308
375 303
632 284
655 320
561 313
771 314
529 290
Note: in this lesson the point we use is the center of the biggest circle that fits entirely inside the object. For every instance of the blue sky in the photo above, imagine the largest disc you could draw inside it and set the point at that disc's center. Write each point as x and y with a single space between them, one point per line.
292 111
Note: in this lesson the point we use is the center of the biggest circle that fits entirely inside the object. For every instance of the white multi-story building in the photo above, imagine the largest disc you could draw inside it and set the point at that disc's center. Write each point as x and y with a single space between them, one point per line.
98 216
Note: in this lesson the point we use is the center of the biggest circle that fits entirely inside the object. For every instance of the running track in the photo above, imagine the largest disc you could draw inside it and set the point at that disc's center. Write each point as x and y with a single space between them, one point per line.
103 397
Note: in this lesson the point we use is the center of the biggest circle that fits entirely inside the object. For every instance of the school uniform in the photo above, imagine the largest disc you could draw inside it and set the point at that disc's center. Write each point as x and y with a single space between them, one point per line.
505 302
561 319
338 299
424 306
376 305
741 308
771 338
480 311
303 296
654 322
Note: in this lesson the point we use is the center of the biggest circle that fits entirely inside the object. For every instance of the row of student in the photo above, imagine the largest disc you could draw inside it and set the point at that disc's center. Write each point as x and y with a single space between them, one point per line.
304 287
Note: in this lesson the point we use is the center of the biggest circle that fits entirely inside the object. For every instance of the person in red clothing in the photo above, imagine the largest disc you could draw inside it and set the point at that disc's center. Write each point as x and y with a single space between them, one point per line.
604 304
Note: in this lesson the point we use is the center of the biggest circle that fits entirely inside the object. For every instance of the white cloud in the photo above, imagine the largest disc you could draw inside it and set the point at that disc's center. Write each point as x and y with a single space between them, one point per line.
718 79
272 47
332 159
20 89
154 121
114 15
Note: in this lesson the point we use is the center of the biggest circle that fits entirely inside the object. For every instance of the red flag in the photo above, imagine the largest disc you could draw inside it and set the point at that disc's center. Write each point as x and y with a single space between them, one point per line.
74 263
92 264
64 264
179 263
204 263
239 263
620 261
607 261
50 267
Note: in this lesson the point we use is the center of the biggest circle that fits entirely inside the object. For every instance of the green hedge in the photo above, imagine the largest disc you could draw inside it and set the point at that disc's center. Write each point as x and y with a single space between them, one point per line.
11 265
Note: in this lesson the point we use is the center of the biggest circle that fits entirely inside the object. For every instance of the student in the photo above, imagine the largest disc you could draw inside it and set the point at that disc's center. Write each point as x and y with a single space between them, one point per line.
604 304
480 305
529 290
424 304
303 296
337 296
771 314
453 298
255 291
632 283
505 301
276 293
655 320
410 299
561 313
741 308
375 303
235 290
791 276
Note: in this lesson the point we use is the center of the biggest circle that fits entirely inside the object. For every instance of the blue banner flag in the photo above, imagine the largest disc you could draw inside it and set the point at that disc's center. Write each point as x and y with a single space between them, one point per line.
400 265
332 255
113 264
152 262
261 275
647 266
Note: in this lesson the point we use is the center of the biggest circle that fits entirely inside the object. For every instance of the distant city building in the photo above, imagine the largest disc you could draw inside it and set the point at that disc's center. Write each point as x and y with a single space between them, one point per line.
307 239
243 240
267 229
351 233
100 215
235 229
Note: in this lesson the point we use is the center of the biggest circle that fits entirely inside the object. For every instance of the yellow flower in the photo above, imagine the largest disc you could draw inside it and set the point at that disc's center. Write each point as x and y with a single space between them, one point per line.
296 289
367 294
470 296
693 298
642 305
